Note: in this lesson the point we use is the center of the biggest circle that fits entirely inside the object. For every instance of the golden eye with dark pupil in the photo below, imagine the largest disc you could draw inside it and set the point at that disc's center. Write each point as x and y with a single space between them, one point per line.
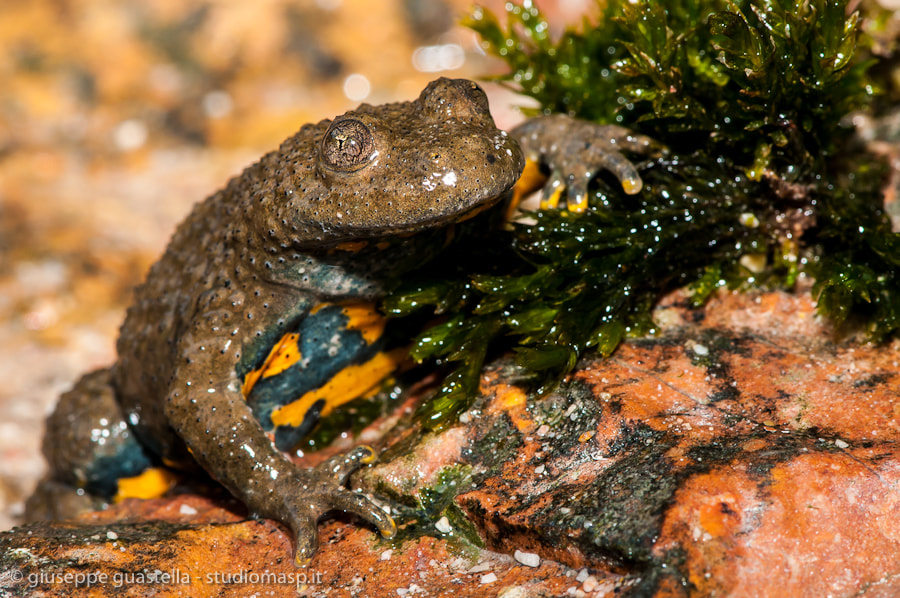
347 145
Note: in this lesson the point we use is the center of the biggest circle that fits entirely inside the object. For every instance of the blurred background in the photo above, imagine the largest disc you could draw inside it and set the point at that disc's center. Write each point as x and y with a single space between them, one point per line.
116 116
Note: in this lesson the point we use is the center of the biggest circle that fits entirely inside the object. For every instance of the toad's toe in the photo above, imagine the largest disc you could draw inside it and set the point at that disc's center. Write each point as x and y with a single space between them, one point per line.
340 467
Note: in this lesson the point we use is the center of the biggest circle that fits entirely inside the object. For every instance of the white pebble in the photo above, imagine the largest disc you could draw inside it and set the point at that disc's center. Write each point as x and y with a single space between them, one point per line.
590 584
529 559
443 525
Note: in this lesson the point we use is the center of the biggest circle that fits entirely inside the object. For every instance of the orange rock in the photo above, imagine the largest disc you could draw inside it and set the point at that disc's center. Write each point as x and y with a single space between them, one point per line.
710 460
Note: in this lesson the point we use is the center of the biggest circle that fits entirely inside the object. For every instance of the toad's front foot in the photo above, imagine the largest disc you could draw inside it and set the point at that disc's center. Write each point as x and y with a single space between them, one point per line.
310 493
575 151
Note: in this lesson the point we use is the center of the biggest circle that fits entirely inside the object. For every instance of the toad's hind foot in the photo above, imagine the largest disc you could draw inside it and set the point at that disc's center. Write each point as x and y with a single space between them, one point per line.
341 466
313 492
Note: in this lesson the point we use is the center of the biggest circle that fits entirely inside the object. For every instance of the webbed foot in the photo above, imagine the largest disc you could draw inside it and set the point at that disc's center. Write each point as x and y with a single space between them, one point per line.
311 492
576 151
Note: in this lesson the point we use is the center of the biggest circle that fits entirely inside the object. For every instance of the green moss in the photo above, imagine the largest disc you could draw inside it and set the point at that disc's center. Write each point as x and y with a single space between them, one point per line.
775 72
748 97
436 502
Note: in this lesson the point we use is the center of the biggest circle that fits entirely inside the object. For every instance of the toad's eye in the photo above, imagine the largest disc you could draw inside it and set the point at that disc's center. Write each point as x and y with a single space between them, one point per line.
347 145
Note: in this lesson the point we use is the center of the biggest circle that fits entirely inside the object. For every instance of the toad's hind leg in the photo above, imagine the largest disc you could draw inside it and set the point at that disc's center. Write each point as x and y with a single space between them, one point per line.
89 448
211 416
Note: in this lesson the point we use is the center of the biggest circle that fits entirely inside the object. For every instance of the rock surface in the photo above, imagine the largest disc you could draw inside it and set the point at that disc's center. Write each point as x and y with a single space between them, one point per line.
741 452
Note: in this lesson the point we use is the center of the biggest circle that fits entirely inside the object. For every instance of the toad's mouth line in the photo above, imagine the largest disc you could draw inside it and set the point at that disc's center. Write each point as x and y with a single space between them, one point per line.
377 233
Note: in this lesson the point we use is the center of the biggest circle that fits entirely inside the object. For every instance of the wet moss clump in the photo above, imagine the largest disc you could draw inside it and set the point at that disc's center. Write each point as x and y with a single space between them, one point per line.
434 503
760 184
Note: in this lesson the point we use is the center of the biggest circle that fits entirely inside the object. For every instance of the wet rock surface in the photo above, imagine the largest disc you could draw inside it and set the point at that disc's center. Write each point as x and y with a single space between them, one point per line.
742 452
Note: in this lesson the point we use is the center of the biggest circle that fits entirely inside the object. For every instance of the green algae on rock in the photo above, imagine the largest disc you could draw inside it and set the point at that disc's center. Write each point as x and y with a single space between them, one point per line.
761 184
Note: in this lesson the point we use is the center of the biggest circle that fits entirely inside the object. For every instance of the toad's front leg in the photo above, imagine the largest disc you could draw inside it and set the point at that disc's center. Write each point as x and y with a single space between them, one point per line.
210 415
575 151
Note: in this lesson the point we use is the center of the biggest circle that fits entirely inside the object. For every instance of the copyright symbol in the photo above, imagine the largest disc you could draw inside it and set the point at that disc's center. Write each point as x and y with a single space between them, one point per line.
17 575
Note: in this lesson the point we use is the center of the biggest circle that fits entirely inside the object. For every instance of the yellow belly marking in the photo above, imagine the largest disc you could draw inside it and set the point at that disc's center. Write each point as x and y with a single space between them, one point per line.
350 383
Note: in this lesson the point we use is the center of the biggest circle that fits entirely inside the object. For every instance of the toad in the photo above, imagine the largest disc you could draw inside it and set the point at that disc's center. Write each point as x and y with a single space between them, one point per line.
261 315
